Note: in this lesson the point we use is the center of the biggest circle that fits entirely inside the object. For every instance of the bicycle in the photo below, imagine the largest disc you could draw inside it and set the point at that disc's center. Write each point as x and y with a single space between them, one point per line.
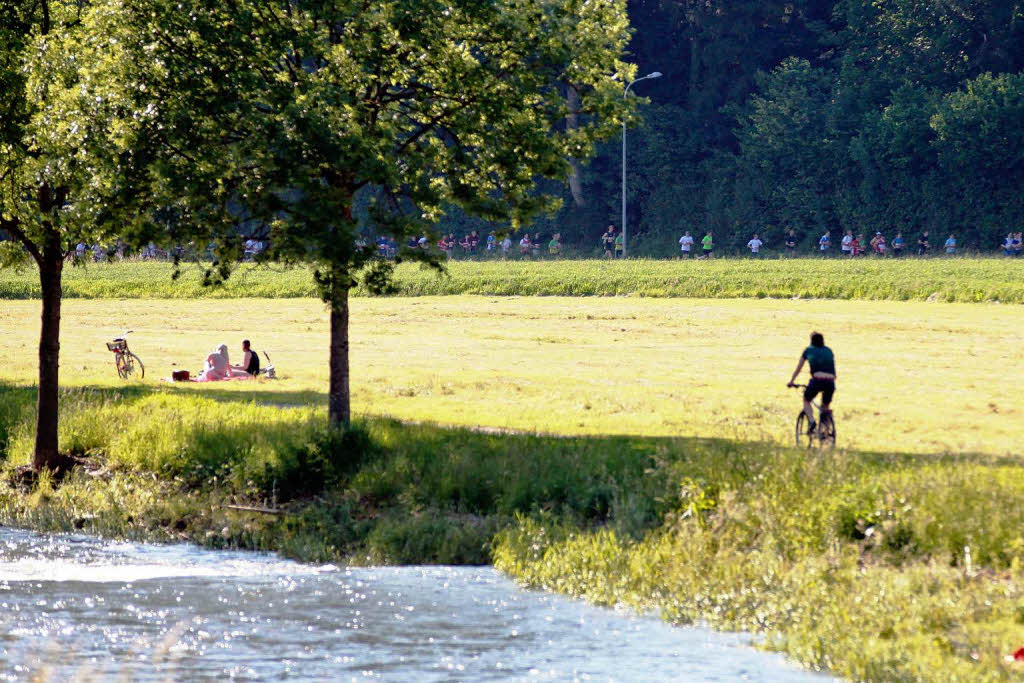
824 434
126 362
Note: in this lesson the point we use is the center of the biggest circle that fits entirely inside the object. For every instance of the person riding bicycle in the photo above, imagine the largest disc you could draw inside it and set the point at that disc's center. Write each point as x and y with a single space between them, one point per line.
823 377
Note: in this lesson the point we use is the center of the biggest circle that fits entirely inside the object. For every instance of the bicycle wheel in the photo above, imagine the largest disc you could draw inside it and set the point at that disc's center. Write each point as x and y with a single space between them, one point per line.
135 366
827 431
122 363
803 439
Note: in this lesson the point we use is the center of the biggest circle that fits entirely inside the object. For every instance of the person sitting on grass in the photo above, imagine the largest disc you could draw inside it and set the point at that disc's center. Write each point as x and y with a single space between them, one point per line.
217 366
250 366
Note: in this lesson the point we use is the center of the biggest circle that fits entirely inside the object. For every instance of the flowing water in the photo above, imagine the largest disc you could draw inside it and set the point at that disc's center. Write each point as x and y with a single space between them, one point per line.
74 607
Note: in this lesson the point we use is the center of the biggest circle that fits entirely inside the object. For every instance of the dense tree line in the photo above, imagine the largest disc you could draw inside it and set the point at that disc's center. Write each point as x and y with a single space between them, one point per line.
812 114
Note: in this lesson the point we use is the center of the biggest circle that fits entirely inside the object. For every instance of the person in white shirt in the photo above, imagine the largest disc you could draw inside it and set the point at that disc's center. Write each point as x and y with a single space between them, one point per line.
685 245
846 244
755 245
506 244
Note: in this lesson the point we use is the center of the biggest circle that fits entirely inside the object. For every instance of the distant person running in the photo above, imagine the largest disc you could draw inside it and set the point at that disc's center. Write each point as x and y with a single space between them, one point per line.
620 245
823 377
791 243
951 245
685 245
878 244
923 247
755 245
897 245
608 241
846 242
824 243
707 245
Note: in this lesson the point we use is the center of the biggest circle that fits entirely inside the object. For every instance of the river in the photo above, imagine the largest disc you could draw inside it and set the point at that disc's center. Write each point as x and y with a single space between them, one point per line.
84 608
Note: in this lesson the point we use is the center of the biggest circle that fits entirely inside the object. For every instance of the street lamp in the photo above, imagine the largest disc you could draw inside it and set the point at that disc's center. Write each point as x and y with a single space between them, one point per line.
654 74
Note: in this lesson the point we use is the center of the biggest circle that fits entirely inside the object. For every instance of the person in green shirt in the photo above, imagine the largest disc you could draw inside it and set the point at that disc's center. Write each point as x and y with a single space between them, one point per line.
618 245
707 245
555 245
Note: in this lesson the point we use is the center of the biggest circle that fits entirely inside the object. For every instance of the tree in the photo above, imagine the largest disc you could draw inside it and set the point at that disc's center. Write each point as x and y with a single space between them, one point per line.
67 129
283 112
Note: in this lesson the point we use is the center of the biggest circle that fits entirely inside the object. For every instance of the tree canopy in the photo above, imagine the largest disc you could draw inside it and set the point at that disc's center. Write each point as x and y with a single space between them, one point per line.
283 114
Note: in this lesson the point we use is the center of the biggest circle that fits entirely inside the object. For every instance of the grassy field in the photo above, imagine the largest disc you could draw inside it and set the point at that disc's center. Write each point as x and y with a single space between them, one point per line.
938 279
914 377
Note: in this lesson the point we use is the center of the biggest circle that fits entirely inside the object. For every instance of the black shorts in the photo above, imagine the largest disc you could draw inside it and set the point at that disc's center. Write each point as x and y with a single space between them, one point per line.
825 387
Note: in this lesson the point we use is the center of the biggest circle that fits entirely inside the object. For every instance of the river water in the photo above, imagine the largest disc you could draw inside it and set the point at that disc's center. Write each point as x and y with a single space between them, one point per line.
74 607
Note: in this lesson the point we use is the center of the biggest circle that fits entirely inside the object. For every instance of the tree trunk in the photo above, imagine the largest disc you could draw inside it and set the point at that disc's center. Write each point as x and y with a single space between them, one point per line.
339 408
572 123
50 268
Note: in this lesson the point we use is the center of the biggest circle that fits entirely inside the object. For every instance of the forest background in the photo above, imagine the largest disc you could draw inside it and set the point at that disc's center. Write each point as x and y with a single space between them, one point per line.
812 115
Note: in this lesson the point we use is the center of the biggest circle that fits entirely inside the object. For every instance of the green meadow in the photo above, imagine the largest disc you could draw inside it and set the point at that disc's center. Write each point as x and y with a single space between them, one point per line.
629 450
960 279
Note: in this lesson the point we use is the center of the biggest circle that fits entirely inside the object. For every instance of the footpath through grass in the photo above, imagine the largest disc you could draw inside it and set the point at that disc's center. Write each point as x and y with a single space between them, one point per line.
873 566
967 280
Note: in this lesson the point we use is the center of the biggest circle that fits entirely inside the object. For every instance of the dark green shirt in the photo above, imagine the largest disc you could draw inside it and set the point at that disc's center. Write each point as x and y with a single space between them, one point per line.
820 359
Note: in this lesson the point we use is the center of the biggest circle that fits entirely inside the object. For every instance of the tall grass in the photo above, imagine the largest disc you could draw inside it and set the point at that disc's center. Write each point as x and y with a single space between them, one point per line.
951 280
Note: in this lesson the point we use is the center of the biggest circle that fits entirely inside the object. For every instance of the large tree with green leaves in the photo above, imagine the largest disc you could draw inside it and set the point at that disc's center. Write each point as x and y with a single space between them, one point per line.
284 113
68 126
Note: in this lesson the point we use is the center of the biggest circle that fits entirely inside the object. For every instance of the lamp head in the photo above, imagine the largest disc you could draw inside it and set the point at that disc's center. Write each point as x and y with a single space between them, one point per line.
653 74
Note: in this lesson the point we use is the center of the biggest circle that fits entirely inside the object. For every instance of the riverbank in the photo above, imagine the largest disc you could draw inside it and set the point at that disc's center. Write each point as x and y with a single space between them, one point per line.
876 566
959 279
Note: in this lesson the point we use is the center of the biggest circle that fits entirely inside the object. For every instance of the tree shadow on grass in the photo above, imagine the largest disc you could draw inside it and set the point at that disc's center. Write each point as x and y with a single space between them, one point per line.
17 403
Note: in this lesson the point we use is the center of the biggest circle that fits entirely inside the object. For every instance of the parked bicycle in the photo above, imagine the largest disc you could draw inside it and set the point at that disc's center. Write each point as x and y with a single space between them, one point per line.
127 363
824 433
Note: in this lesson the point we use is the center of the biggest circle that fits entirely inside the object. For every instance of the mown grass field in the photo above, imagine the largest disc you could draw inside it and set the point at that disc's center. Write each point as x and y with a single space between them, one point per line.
914 377
936 279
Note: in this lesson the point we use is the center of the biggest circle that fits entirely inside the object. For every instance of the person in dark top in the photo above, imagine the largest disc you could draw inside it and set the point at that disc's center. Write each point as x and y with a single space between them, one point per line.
823 376
250 360
791 243
922 244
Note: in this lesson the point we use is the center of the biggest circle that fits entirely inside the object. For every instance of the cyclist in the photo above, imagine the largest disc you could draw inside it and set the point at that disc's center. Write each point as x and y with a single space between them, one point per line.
823 377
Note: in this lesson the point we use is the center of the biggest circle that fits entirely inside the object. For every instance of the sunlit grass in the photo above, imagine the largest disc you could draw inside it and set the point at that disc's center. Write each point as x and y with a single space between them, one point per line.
914 377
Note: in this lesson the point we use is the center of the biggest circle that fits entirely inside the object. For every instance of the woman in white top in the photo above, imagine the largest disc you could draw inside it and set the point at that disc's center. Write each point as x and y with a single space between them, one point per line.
217 365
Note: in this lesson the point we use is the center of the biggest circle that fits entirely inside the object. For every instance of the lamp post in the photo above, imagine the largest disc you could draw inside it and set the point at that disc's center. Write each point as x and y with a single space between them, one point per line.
654 74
